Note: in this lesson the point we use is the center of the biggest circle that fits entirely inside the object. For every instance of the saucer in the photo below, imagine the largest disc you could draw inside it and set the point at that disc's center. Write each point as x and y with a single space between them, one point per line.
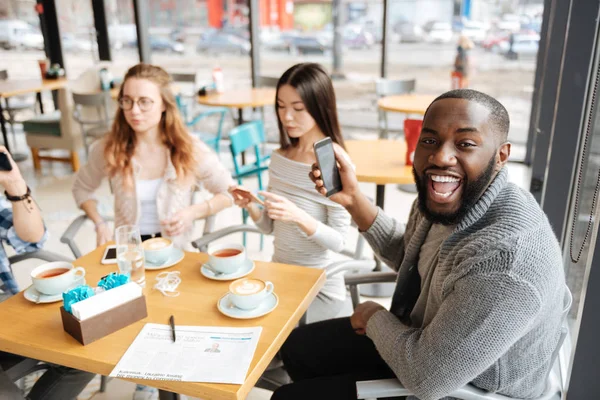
175 257
243 271
226 307
34 296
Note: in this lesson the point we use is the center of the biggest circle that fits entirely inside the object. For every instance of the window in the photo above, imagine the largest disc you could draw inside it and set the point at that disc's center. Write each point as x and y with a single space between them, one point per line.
292 32
423 44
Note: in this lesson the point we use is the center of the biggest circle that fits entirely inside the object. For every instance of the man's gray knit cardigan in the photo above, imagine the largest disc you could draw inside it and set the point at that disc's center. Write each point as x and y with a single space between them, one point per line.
500 316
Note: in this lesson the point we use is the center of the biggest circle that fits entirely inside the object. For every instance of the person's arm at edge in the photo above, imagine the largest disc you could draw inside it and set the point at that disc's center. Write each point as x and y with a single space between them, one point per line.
27 219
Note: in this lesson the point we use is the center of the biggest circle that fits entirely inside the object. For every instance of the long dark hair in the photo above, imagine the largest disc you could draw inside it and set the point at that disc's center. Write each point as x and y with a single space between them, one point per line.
316 91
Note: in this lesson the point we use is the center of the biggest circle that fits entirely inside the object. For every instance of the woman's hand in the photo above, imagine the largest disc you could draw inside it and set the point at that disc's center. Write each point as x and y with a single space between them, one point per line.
238 200
103 233
280 208
179 222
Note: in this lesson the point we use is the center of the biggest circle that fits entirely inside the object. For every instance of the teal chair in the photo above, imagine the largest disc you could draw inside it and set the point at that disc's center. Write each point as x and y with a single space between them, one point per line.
249 137
211 139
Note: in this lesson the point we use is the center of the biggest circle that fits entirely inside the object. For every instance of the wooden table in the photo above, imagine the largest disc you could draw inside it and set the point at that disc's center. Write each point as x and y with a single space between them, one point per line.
35 330
240 99
406 103
381 162
15 87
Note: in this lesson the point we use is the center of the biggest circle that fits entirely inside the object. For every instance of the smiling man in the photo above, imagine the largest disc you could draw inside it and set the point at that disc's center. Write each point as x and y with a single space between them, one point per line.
480 286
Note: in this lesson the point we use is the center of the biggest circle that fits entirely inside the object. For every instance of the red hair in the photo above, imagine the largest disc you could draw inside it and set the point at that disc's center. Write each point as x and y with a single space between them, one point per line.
121 141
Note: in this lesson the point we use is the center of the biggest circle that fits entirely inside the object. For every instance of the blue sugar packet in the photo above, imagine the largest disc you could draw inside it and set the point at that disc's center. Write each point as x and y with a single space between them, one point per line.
113 280
77 294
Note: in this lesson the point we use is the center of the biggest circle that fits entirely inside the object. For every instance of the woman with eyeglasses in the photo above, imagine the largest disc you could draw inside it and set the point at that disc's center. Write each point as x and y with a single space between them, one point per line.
153 164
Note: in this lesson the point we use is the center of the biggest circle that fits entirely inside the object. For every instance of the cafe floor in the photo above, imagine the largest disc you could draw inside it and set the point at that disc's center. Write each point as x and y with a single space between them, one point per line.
52 190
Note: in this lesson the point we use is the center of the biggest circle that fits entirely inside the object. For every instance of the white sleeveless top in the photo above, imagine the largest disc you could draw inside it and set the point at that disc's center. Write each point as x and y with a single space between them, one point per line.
147 191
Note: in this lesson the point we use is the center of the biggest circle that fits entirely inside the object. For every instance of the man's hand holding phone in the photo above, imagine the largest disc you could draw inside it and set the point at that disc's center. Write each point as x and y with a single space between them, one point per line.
350 189
362 210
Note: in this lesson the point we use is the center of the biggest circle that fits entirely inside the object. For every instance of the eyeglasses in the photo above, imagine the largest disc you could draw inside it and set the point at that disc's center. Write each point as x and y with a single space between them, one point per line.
144 103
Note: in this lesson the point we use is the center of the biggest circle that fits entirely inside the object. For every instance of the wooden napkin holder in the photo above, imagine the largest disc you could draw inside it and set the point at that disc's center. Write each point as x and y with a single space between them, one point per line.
98 326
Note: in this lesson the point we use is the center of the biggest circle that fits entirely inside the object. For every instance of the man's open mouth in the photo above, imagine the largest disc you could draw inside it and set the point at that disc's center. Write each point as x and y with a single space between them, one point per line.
443 188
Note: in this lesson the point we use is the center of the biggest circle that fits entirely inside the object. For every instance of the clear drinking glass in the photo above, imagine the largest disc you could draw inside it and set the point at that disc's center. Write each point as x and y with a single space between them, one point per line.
130 254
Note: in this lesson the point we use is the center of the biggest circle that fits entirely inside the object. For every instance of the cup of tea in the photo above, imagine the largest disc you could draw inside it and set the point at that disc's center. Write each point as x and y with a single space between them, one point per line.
226 258
157 250
248 293
55 277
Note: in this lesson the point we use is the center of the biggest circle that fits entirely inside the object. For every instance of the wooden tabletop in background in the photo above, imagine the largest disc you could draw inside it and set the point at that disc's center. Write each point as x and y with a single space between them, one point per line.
15 87
380 161
406 103
240 98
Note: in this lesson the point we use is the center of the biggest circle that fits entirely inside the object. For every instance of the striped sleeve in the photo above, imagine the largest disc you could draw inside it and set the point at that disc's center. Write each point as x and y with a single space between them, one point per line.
331 235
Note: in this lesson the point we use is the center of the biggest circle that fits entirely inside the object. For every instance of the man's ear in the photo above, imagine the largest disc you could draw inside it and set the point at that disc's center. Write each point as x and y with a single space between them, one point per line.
502 156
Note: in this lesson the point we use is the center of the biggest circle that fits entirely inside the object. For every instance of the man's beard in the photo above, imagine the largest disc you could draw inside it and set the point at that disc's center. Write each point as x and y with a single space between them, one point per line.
471 193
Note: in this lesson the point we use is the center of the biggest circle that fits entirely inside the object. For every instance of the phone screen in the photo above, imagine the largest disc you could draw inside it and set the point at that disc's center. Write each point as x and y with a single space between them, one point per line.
111 254
328 166
4 162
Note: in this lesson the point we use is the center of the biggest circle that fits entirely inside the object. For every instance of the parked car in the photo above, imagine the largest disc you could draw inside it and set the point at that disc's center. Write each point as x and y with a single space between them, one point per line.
534 26
177 35
17 34
510 23
240 32
493 40
360 40
70 43
281 42
407 32
160 44
167 45
438 32
307 45
223 43
474 30
371 25
122 35
523 45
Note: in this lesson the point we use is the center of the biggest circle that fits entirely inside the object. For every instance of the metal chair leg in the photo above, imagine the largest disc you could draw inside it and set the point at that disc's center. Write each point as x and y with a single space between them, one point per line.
103 382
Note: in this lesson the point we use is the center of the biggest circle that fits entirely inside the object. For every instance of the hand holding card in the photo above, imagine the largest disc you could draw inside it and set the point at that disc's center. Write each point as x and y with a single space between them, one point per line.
242 192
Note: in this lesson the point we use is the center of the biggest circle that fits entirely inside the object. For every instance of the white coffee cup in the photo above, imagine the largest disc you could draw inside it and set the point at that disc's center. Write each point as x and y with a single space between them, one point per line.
248 293
157 250
55 277
226 258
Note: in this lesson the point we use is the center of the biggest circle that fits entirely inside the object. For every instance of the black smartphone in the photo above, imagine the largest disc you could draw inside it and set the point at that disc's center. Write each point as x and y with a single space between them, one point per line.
5 162
328 166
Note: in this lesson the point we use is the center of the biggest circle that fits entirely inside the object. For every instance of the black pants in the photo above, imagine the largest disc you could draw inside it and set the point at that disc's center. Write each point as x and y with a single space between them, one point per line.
57 383
146 237
326 359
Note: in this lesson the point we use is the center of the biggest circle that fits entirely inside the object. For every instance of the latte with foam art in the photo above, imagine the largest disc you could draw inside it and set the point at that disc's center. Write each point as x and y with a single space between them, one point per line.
247 286
156 243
